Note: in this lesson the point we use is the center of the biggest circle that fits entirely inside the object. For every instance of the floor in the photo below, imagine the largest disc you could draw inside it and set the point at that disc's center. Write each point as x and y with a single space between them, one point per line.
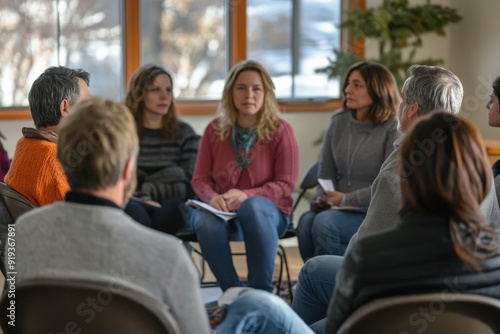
210 293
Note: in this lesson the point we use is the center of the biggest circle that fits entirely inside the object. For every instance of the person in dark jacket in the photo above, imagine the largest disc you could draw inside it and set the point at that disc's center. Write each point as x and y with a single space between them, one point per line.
441 242
4 160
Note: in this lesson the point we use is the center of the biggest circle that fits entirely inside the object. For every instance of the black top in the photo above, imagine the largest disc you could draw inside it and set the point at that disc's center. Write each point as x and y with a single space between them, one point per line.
85 198
416 256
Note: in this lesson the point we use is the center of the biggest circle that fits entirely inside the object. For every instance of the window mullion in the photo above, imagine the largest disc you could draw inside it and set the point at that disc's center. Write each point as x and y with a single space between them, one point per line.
237 29
296 9
131 37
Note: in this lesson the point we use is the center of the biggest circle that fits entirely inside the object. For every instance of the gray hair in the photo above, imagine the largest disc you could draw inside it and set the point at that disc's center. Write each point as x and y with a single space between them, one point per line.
433 88
53 86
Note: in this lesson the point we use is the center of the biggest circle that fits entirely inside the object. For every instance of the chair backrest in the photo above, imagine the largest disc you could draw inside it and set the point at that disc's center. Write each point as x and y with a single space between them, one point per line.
308 181
15 203
496 168
55 306
12 205
446 312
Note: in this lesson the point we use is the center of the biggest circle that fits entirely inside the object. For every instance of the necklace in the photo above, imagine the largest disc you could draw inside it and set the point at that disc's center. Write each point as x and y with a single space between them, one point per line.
350 157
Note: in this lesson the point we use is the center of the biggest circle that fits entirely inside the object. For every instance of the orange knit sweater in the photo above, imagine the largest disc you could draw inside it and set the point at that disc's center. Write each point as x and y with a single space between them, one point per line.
36 173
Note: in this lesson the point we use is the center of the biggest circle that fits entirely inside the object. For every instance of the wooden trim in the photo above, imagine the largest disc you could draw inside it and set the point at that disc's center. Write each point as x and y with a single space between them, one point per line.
15 113
186 108
131 38
357 46
238 31
193 108
327 106
202 108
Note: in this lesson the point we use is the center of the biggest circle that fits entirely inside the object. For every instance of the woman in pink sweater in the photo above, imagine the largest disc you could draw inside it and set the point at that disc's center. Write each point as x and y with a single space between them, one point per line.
247 163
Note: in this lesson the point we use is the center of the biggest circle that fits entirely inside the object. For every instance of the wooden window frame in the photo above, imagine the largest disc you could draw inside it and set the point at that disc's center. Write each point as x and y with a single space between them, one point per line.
237 20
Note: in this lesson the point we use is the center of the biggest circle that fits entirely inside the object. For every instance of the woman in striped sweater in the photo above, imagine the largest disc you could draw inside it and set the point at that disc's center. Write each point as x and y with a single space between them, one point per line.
168 147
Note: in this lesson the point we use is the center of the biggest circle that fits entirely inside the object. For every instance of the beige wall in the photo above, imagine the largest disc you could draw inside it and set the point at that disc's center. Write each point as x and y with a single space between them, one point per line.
474 55
470 49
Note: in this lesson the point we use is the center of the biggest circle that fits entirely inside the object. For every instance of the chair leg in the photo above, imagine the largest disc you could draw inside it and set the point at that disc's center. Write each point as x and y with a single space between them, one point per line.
281 250
203 271
280 272
202 264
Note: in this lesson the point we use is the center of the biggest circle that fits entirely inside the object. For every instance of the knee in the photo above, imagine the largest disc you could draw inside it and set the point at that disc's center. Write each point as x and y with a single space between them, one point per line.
305 222
255 208
265 299
316 264
324 225
252 204
202 221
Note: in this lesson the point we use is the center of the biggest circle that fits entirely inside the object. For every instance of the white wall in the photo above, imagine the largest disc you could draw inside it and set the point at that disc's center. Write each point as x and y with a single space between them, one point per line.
471 49
474 55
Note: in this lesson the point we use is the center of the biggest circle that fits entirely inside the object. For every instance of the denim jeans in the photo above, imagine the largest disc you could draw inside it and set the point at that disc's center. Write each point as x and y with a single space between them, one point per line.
327 232
257 311
315 287
259 223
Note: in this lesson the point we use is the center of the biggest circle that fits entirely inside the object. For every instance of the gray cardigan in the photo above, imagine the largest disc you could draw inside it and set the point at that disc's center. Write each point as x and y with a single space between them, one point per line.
70 240
358 148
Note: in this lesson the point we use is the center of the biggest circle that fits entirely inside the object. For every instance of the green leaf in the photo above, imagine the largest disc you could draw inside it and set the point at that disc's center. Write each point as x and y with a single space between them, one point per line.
396 27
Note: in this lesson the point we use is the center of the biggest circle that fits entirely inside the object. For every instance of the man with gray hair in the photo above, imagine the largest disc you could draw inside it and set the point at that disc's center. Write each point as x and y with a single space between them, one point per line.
35 171
427 89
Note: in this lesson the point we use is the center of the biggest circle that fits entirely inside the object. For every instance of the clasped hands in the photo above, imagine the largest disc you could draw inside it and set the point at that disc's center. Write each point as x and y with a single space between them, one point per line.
326 200
229 201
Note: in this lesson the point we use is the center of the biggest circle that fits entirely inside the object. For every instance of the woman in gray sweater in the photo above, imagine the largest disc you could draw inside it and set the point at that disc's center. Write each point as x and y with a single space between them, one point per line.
359 139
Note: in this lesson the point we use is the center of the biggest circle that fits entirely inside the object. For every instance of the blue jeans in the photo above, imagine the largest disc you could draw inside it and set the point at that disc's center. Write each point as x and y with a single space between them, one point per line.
327 232
257 311
315 287
259 223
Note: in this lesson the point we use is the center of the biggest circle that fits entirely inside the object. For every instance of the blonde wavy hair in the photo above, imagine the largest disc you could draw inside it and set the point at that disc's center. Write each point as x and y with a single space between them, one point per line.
267 117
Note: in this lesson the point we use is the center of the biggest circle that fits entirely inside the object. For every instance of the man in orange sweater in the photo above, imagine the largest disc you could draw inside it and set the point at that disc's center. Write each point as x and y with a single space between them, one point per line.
35 171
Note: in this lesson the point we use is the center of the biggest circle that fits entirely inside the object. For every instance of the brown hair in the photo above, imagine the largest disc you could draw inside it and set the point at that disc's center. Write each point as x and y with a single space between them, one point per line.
445 171
382 88
268 116
141 81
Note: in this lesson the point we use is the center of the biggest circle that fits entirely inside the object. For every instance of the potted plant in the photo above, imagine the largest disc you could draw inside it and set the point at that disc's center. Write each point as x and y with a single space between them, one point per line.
397 28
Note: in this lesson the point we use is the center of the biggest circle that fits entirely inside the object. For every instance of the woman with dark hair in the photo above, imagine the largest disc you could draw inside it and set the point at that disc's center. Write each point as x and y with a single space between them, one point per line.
247 163
359 139
493 107
167 147
441 238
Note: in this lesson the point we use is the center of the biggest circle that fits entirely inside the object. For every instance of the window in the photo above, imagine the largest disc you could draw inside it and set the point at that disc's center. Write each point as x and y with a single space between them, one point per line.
292 39
187 37
197 40
38 34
